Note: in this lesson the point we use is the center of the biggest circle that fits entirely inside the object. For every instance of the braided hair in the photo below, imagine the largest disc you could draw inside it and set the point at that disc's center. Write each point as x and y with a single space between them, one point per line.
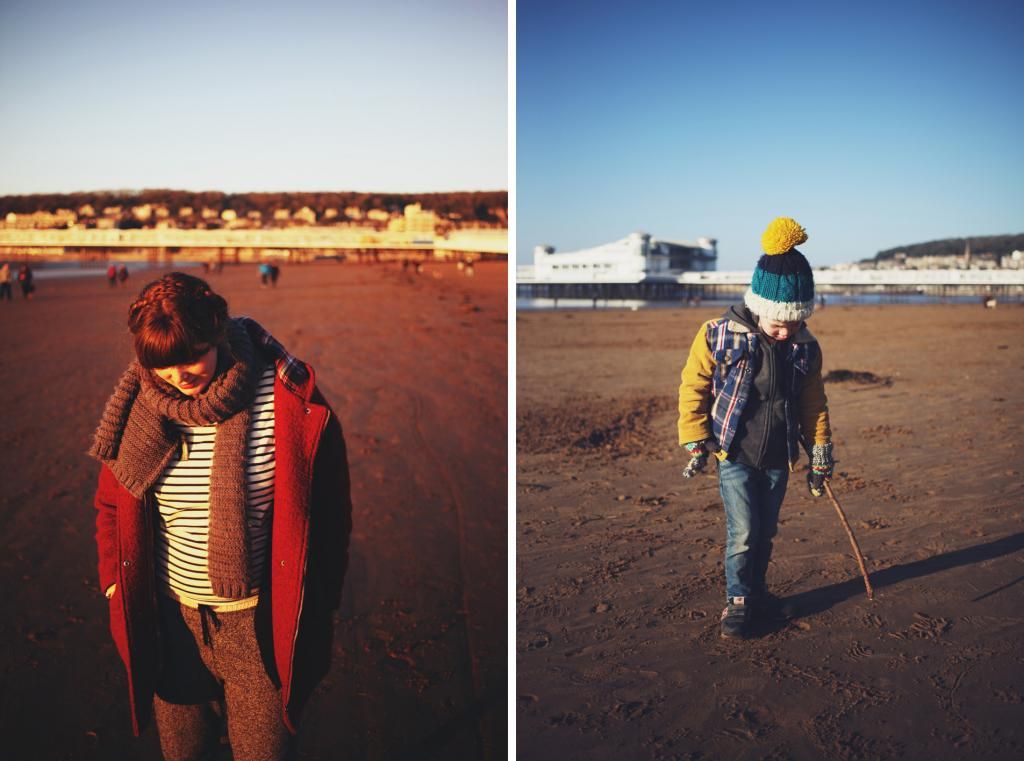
175 320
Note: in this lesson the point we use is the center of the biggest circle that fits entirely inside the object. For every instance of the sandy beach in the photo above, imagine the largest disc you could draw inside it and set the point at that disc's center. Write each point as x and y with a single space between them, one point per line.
619 560
416 369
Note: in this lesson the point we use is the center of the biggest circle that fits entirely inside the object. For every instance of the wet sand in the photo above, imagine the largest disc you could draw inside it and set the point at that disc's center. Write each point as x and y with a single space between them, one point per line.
416 369
619 560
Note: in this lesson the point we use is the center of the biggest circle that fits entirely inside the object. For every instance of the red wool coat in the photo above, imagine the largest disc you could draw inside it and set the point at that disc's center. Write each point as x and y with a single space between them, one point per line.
308 557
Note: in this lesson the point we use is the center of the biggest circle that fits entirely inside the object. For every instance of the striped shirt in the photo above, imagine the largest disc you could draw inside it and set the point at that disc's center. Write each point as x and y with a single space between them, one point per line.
183 503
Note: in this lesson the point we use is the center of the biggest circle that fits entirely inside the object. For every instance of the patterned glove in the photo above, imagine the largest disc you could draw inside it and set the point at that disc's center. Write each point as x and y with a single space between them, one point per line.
698 451
821 468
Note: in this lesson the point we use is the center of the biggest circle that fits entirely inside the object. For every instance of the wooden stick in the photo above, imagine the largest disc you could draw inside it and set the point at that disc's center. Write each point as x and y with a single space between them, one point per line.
853 540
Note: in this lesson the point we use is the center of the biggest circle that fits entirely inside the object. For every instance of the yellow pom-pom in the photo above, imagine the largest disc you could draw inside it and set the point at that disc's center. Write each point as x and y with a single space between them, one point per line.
782 234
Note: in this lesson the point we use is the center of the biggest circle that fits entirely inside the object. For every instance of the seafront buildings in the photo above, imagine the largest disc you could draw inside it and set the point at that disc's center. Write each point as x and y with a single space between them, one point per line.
150 231
634 259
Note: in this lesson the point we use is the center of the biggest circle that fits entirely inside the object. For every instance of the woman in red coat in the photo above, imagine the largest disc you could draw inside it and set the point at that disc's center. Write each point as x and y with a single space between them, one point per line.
223 519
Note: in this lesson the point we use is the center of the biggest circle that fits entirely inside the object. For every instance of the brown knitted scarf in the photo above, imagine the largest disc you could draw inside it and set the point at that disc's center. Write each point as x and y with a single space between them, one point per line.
137 438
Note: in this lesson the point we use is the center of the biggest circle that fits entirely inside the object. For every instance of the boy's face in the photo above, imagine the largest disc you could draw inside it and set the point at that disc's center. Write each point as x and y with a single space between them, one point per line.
778 330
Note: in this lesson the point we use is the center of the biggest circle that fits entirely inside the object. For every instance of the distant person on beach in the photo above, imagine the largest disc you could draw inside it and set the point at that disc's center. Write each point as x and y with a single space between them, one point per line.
5 282
122 274
264 274
112 276
275 273
751 392
25 280
223 518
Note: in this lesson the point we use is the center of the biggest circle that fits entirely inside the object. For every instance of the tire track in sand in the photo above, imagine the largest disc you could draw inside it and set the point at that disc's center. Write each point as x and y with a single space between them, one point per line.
454 495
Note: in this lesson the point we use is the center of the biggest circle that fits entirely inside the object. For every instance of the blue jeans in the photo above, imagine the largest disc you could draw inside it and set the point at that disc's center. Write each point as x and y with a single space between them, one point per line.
752 500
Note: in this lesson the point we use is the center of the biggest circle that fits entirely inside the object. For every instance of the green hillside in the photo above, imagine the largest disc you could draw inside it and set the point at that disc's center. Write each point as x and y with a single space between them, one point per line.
982 246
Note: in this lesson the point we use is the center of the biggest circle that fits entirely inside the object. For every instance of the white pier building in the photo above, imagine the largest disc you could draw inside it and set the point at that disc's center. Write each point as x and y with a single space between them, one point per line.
637 258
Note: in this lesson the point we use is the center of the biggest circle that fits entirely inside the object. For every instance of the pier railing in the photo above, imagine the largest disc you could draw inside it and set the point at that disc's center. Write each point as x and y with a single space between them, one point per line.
887 277
1007 283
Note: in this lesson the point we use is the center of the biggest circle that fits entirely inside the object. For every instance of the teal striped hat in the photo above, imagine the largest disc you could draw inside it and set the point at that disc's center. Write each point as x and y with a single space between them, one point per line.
782 287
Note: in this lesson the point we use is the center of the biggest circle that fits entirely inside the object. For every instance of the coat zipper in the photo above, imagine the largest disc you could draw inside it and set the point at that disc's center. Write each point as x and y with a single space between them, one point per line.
769 355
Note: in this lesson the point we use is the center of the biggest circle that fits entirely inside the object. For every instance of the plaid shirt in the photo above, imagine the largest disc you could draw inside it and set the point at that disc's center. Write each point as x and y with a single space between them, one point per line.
292 371
733 353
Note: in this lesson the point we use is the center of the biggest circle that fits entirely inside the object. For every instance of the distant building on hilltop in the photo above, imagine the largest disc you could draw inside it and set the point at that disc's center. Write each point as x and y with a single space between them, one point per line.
41 220
305 214
415 220
1014 261
633 259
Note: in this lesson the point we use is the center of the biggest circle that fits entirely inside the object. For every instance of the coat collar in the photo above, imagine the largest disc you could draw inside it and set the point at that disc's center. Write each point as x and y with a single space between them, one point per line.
295 374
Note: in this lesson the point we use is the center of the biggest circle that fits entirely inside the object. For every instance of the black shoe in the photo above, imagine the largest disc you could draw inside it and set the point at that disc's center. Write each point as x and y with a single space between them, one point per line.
735 618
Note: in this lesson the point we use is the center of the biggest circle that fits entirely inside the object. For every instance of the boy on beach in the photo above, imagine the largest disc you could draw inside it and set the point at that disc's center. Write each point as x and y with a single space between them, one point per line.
751 391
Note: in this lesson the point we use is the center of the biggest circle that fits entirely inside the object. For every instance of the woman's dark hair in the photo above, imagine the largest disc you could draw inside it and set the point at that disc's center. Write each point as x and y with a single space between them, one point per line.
176 320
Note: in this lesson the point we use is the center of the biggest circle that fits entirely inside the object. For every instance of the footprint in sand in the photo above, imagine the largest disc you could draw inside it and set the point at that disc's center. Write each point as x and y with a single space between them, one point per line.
631 710
858 651
872 620
929 628
565 719
537 640
527 700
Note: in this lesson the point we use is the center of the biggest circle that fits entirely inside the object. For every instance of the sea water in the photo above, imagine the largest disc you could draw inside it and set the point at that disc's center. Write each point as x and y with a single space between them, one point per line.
61 270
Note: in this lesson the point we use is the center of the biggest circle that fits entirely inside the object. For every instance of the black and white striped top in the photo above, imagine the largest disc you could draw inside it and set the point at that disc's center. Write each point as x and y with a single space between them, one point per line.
183 502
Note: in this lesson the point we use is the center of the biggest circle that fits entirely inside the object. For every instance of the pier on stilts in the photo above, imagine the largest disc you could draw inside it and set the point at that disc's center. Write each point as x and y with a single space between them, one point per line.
889 286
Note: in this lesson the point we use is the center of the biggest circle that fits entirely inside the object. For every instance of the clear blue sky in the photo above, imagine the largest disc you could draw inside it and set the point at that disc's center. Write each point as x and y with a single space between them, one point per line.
388 95
874 124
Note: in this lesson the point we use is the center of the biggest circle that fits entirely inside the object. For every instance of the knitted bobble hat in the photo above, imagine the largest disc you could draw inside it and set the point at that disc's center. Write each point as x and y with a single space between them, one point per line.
783 286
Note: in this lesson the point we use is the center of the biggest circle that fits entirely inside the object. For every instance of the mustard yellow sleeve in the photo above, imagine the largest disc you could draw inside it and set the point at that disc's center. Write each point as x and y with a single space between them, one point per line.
695 391
814 406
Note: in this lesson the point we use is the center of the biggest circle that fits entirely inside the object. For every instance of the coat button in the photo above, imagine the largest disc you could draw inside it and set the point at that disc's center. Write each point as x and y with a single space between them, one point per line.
126 563
307 410
282 564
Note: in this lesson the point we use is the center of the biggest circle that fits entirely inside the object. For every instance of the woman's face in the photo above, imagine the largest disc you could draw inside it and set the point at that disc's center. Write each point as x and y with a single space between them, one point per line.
191 379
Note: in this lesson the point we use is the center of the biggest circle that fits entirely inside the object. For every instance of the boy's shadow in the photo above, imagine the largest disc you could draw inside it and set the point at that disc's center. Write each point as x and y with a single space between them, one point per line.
814 601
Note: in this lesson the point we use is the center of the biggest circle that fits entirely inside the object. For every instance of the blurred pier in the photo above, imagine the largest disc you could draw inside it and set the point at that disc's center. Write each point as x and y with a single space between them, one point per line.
294 244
